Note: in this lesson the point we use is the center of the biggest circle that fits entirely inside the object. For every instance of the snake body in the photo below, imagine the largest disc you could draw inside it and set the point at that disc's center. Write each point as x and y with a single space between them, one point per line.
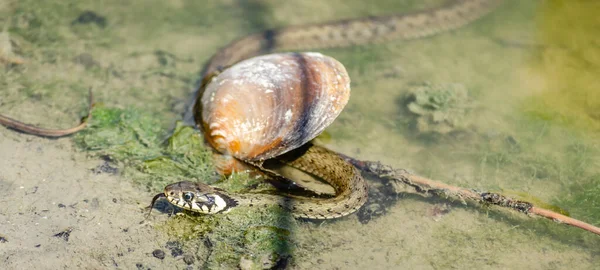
351 188
353 32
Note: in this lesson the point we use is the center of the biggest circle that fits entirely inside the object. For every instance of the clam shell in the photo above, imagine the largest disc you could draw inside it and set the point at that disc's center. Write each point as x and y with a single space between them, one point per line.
268 105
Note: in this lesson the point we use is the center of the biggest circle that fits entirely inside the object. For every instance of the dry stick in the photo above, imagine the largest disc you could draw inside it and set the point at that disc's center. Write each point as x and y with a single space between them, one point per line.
52 133
424 185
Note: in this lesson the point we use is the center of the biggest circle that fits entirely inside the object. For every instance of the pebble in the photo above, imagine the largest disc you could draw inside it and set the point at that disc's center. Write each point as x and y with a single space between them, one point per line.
158 253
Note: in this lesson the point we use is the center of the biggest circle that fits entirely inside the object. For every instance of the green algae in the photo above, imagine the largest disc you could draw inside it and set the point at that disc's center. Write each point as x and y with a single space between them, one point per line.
263 236
532 154
439 108
122 134
568 63
523 196
255 237
585 199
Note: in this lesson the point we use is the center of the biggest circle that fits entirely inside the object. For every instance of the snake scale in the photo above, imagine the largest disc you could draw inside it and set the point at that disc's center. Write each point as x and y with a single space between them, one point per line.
452 15
351 189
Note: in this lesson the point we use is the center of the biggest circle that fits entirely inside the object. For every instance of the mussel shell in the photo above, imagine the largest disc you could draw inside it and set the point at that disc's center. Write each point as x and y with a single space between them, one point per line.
268 105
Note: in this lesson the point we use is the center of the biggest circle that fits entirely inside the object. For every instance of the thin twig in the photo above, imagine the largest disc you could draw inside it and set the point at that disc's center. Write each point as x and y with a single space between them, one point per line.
425 186
52 133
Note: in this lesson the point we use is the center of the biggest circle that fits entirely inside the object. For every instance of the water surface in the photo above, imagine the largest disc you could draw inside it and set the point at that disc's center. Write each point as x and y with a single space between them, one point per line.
527 127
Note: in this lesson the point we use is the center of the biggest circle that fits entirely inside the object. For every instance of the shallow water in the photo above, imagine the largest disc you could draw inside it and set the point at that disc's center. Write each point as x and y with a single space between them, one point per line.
528 128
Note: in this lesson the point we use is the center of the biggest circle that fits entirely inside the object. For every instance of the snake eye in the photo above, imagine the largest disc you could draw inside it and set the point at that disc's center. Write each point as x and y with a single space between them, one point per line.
188 196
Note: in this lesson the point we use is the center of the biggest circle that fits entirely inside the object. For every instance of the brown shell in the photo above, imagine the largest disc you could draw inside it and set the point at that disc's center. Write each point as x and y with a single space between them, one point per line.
267 105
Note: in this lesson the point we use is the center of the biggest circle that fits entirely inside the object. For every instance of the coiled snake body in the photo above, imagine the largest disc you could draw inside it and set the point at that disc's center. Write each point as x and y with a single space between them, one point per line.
351 188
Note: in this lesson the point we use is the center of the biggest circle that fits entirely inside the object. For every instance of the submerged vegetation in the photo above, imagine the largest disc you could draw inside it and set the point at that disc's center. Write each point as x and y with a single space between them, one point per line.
133 138
440 108
563 77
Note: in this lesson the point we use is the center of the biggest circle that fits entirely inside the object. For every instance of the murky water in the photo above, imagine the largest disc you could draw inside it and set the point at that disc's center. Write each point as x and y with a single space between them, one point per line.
514 112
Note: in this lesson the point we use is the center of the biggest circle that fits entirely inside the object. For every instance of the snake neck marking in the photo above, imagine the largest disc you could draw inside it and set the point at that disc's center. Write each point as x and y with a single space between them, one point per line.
199 197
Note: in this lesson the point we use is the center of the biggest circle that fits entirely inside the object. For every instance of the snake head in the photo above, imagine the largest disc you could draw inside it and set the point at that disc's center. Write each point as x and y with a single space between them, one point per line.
198 197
